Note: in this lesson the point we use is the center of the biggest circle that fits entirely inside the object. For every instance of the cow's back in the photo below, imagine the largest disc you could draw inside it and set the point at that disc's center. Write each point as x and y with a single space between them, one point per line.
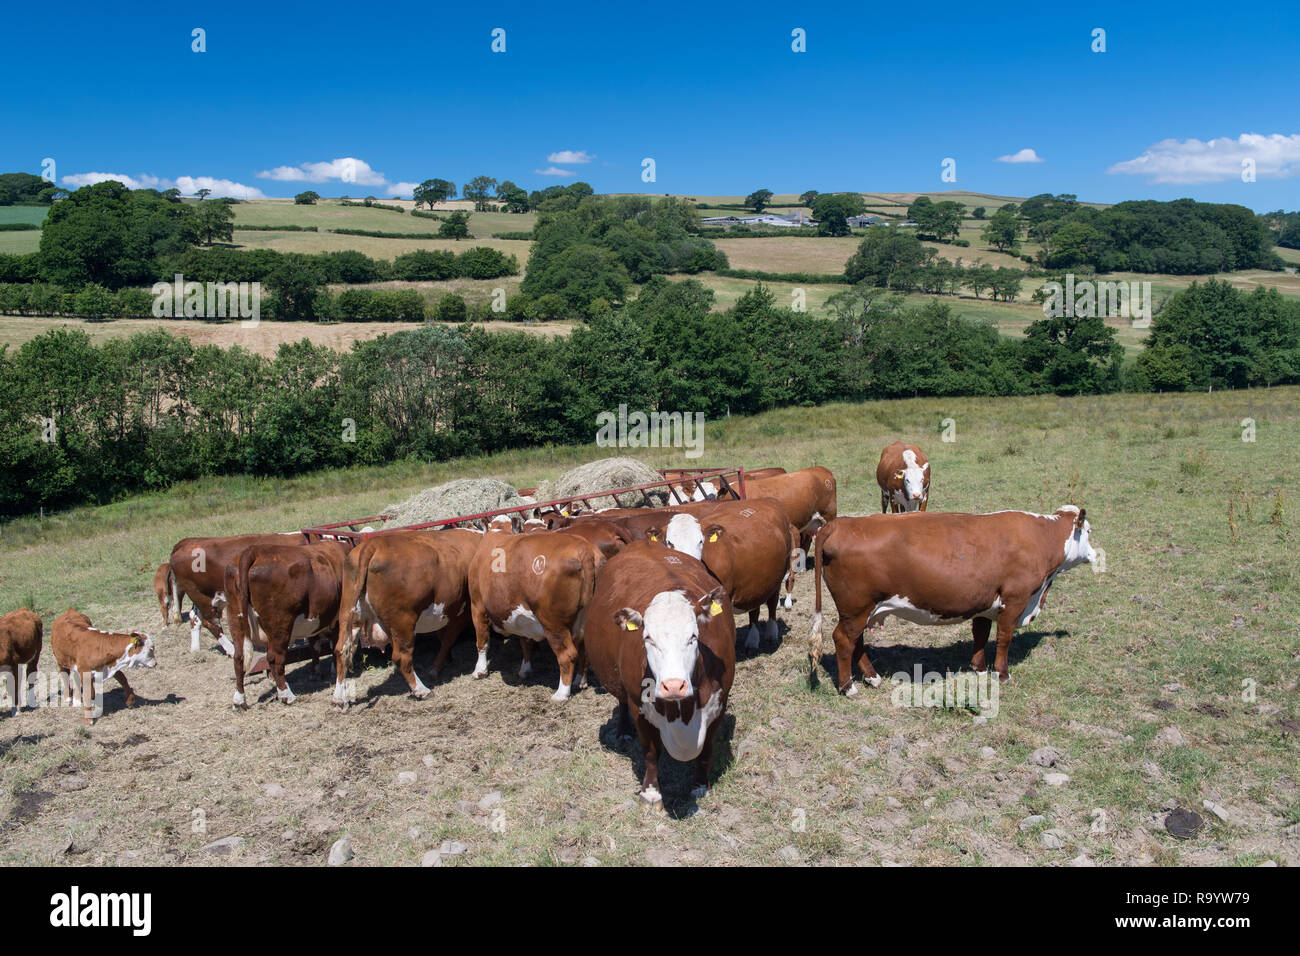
20 637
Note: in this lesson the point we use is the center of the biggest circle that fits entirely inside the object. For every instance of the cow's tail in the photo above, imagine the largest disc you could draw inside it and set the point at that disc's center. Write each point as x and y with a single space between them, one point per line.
243 568
815 642
798 562
174 587
349 632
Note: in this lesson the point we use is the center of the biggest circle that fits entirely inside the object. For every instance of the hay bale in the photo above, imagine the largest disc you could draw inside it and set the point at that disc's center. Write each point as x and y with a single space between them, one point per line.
604 474
463 496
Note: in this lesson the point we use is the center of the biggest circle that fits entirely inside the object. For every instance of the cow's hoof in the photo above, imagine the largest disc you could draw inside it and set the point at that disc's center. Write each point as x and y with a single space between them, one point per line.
852 691
420 694
698 792
873 680
479 675
340 707
525 671
560 696
130 701
1004 676
651 796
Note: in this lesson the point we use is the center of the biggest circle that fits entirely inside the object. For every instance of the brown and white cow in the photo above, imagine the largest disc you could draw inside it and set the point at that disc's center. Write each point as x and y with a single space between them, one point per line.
904 478
399 584
535 587
199 572
807 495
279 594
942 569
660 638
749 546
606 536
21 634
164 586
94 656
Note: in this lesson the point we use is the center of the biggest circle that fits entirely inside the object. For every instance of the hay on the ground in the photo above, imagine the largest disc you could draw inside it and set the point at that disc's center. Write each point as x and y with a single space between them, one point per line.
461 497
602 475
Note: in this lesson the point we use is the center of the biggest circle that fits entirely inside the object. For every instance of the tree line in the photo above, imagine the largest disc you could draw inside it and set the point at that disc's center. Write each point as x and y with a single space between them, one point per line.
82 422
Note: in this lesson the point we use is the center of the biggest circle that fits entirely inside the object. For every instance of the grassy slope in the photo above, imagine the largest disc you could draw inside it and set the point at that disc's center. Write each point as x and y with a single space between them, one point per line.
1186 610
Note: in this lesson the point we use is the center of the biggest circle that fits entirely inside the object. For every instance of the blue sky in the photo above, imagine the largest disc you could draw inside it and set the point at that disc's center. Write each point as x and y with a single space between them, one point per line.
714 94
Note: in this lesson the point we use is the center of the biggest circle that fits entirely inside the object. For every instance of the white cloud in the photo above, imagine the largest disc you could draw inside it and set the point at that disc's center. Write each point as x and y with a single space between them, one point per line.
188 185
400 189
570 156
349 170
554 171
1217 160
1023 156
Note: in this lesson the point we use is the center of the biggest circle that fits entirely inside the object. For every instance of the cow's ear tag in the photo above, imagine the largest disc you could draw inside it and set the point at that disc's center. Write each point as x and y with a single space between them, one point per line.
654 537
713 537
565 512
715 609
629 625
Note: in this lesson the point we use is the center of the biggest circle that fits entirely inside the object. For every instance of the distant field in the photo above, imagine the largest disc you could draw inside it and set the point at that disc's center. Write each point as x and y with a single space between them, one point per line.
265 339
35 214
1165 678
779 254
20 243
375 248
329 214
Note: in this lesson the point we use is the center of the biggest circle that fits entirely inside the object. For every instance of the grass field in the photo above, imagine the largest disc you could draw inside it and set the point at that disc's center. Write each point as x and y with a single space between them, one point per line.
20 243
1168 679
33 214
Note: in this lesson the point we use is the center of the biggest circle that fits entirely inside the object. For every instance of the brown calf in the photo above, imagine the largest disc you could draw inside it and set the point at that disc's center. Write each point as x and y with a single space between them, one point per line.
807 495
96 655
20 654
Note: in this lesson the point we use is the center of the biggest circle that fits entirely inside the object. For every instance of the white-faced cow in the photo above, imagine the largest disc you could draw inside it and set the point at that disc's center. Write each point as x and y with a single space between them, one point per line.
535 587
86 656
279 594
660 638
400 584
199 572
750 547
942 569
904 478
20 654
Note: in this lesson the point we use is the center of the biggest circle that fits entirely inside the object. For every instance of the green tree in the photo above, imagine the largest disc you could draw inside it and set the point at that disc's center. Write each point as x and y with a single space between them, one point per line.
759 199
832 211
1072 355
308 198
1003 231
455 226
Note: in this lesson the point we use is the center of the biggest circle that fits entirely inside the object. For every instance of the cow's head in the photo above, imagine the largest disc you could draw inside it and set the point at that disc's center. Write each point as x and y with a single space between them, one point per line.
139 652
912 476
670 630
1078 546
683 533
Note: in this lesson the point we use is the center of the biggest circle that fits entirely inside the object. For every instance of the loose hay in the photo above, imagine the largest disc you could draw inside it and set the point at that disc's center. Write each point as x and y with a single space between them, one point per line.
463 496
602 475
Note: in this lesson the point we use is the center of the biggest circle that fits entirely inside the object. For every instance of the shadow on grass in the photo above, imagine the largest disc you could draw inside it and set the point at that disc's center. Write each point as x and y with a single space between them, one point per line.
891 659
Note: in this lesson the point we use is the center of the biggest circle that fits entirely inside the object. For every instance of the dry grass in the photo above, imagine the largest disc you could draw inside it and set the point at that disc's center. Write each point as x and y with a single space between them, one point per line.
1165 637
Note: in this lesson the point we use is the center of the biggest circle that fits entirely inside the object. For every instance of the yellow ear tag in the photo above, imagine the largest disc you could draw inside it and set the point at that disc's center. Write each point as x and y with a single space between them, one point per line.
654 537
629 625
715 609
713 537
565 512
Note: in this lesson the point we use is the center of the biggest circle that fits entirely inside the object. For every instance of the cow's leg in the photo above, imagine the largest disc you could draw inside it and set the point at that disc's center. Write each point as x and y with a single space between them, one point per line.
979 628
580 669
650 752
1006 627
240 701
884 500
446 638
277 649
850 649
751 636
625 728
404 658
704 762
9 681
130 694
561 641
773 632
482 632
87 682
525 665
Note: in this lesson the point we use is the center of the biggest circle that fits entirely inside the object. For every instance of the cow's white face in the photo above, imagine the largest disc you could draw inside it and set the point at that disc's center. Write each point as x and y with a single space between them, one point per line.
139 653
1078 546
685 534
671 632
913 478
705 491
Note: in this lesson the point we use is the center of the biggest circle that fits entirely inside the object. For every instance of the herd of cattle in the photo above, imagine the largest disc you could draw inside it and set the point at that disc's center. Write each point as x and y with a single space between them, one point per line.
643 597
